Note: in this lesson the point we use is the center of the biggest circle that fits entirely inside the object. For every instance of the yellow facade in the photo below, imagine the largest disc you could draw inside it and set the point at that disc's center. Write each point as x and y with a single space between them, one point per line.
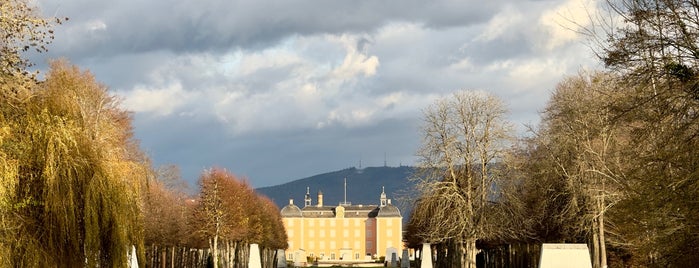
388 227
342 233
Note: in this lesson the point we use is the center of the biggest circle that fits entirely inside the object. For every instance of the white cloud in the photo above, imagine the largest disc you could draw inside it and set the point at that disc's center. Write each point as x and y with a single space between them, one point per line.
355 62
564 21
501 24
282 87
463 65
528 74
158 101
254 74
95 25
275 57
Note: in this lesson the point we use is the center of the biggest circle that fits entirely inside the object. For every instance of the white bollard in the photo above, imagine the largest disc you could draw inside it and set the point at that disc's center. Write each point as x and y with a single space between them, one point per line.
565 255
281 258
255 261
405 260
133 259
426 260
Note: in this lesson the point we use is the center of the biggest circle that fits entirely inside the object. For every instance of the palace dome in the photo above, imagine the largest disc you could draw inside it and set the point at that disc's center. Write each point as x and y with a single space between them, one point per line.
291 210
389 211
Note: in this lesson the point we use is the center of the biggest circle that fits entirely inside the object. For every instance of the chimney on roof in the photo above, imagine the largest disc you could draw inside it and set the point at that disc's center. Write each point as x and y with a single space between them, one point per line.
320 199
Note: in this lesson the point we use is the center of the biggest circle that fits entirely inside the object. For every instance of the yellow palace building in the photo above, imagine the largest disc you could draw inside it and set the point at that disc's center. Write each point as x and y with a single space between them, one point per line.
342 233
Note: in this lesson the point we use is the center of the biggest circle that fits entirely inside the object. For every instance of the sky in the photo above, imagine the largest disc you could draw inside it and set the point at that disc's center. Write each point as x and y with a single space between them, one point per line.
280 90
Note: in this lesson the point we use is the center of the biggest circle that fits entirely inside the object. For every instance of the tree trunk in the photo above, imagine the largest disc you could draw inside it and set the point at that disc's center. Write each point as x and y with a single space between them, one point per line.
229 259
275 259
471 252
214 254
602 243
595 249
149 256
163 257
462 250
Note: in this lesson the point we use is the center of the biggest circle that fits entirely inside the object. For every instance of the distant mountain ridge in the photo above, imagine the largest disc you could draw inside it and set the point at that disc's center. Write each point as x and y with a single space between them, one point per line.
363 187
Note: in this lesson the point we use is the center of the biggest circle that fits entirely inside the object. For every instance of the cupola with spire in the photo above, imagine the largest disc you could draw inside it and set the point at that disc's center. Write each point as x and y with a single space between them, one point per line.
384 200
308 197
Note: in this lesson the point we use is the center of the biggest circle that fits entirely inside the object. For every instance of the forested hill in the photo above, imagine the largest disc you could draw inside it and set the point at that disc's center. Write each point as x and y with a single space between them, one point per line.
363 187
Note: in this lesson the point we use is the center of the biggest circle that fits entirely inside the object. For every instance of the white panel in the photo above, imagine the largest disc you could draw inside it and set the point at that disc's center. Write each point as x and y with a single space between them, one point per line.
565 255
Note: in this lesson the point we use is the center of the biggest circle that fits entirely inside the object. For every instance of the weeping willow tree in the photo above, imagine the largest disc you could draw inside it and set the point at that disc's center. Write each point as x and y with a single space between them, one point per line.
71 173
75 175
20 30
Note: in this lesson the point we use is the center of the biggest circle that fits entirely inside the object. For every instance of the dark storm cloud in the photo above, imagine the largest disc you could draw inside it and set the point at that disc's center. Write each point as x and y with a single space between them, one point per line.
280 90
133 26
268 158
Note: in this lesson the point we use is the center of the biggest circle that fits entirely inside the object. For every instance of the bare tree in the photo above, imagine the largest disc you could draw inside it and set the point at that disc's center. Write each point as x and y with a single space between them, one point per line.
212 212
656 51
464 137
585 146
22 30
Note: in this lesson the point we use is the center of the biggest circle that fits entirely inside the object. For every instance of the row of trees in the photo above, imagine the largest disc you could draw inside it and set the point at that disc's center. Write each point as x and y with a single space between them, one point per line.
75 188
612 164
225 217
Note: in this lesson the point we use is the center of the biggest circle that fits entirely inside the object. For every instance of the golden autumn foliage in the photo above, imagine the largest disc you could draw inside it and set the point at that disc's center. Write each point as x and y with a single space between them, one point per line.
75 189
229 212
70 171
72 175
165 211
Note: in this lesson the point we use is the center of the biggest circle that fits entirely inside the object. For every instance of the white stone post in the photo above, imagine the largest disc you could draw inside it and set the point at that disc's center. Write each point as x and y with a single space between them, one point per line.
405 260
281 258
426 259
255 261
133 259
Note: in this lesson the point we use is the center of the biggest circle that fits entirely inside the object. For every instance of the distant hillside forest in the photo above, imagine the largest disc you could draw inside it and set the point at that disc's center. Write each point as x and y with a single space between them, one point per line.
363 187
